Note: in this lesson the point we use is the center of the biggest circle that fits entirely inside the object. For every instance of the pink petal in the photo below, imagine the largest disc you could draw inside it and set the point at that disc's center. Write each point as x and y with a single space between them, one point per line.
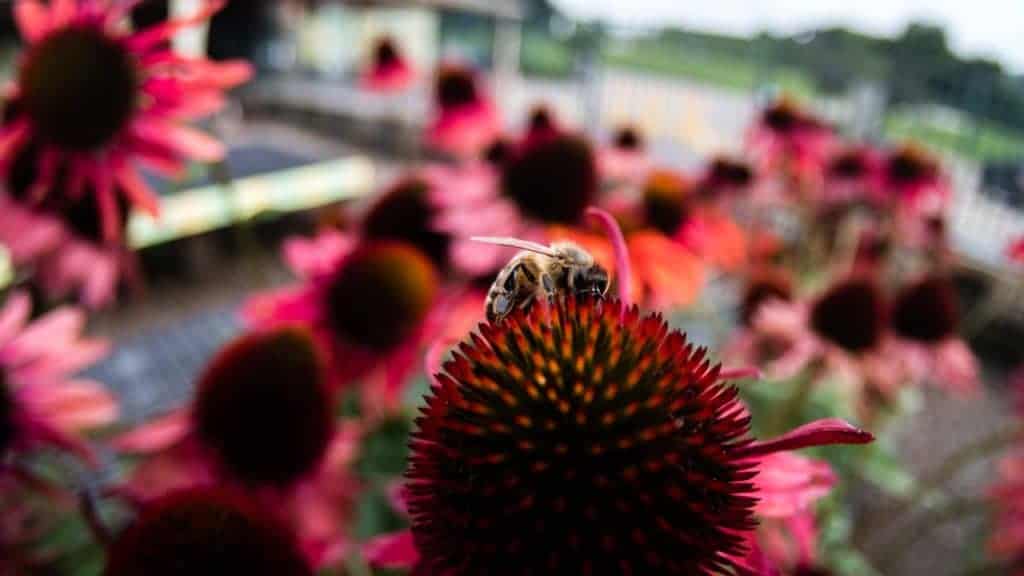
156 435
71 359
62 12
47 335
137 190
745 373
192 143
824 432
392 551
13 315
71 406
110 216
162 32
310 257
32 18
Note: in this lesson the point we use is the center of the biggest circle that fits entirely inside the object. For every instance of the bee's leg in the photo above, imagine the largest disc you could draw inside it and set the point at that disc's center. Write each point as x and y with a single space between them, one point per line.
548 284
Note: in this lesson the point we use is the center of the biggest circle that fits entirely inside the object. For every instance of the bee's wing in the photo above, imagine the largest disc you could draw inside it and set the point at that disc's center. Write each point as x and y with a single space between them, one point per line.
516 243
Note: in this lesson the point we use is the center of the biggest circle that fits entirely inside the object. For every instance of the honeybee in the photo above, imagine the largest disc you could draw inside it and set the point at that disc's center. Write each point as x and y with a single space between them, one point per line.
540 271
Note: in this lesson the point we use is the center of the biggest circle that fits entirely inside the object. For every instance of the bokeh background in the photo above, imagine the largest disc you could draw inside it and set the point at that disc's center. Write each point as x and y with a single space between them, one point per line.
304 138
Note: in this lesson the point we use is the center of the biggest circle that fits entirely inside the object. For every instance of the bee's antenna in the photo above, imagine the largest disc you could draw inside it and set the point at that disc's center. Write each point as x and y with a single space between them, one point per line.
515 243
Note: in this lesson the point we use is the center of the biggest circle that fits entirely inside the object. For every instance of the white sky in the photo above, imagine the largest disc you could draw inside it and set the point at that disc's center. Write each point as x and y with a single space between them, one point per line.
992 28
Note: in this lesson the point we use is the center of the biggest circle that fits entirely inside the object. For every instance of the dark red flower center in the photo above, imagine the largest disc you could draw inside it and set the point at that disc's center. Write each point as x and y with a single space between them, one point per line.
927 311
386 53
783 117
850 315
568 440
765 286
850 165
79 88
498 153
205 533
665 203
406 214
553 180
541 121
910 166
264 409
456 87
381 295
7 409
727 174
628 138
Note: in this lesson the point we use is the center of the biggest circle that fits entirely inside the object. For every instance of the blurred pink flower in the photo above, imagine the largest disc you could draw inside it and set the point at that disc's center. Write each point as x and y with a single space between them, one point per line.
262 423
913 180
853 174
388 70
924 319
790 141
1007 497
624 160
371 306
465 119
71 162
132 111
42 403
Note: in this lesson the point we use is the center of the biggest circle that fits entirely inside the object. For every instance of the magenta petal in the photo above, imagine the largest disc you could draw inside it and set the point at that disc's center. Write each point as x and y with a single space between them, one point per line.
622 266
392 551
824 432
744 373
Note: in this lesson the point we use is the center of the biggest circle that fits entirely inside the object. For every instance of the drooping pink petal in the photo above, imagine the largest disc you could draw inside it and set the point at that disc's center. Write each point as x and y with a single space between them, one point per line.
47 334
824 432
744 373
62 12
33 19
188 141
789 483
137 190
311 257
106 199
71 359
623 270
13 315
72 406
163 32
392 551
156 435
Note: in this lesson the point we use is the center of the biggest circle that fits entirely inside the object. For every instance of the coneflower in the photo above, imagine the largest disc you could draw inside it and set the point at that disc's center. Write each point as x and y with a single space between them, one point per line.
583 438
553 180
409 212
206 531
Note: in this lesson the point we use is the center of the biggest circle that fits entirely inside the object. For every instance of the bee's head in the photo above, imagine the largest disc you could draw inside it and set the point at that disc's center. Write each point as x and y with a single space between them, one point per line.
592 280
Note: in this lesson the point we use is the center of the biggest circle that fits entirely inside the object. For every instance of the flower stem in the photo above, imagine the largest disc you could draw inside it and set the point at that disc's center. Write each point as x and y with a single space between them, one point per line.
91 515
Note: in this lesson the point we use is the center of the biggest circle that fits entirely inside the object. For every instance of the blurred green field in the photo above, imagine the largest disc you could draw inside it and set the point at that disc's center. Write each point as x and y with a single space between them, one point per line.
979 141
718 69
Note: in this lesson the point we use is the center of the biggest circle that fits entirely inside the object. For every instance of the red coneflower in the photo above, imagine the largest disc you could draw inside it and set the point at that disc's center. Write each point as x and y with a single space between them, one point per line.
542 123
409 212
131 111
625 159
788 139
764 285
465 120
371 307
553 180
924 318
206 531
580 438
73 158
41 402
914 181
726 176
262 421
853 174
388 70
